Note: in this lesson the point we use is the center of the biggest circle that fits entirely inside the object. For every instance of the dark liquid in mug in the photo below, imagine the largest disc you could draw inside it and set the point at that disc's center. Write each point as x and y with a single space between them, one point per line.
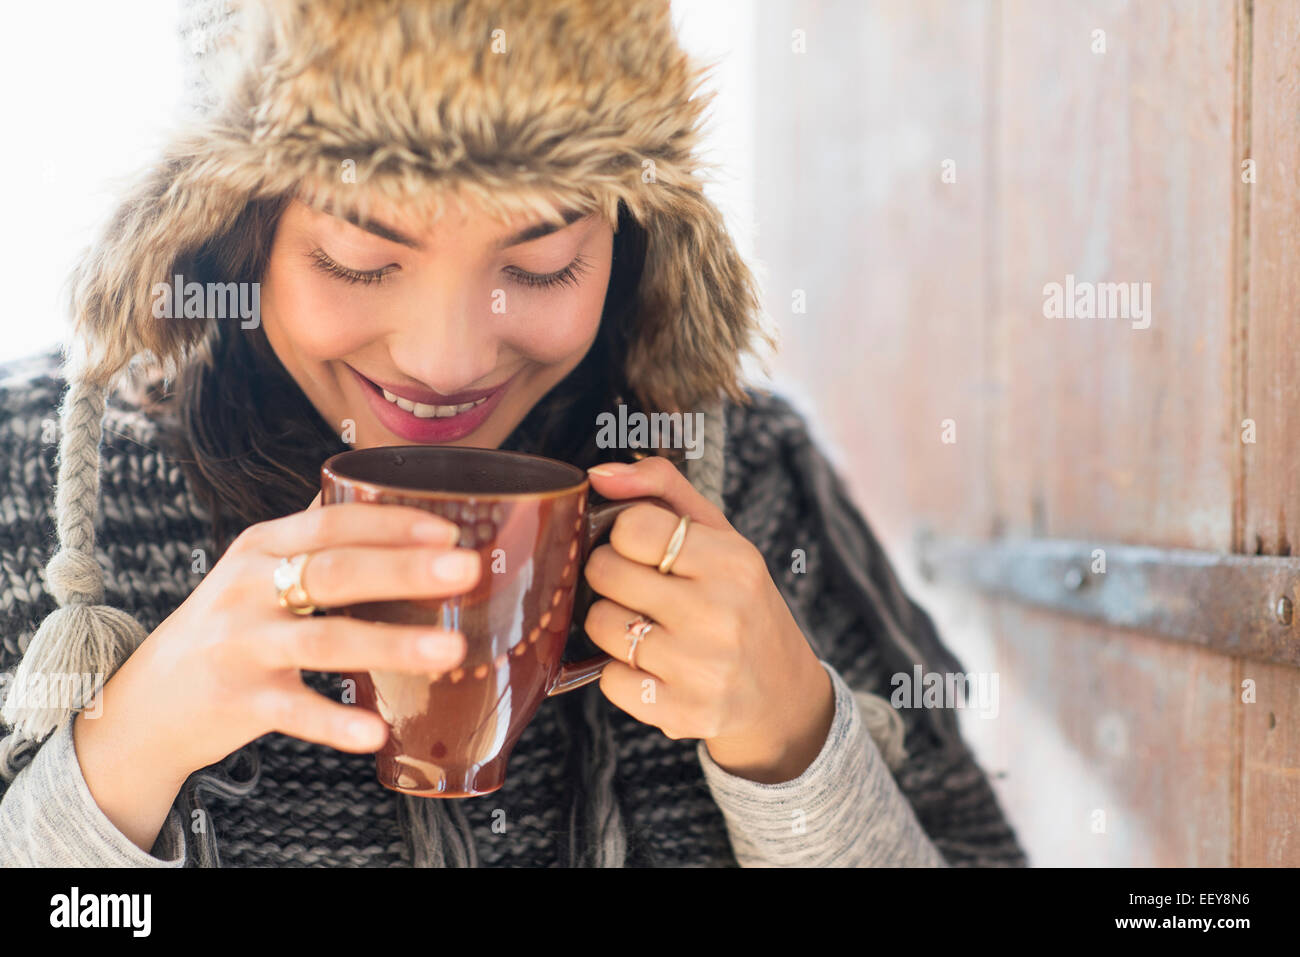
470 472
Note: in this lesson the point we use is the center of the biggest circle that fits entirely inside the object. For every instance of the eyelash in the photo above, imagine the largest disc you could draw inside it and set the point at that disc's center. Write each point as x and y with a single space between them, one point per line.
566 276
328 266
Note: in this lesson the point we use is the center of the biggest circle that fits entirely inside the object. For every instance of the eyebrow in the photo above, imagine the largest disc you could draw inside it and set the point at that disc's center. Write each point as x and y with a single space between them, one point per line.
537 231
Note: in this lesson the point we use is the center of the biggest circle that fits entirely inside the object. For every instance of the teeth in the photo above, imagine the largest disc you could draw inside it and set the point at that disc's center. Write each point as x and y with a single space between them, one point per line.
422 411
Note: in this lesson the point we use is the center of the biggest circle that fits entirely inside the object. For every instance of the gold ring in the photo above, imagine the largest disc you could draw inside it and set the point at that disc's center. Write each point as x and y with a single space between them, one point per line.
288 585
636 629
674 545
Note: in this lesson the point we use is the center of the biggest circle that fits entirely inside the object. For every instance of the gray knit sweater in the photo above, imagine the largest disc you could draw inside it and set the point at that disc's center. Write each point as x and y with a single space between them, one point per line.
305 804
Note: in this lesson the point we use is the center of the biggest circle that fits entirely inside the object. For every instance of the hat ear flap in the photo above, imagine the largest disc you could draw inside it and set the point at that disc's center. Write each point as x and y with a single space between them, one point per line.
123 286
697 308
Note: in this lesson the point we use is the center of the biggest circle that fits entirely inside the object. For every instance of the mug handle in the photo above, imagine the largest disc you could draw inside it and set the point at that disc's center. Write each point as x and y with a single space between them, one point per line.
600 519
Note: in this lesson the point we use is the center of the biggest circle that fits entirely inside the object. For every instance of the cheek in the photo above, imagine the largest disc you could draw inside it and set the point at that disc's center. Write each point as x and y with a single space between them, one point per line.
306 313
554 326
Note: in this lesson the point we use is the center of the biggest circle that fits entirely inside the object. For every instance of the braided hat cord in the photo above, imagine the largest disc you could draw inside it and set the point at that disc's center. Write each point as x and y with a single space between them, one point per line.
83 641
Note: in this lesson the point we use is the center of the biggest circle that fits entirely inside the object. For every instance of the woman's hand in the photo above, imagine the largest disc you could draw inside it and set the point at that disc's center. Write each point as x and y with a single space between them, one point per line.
224 668
725 659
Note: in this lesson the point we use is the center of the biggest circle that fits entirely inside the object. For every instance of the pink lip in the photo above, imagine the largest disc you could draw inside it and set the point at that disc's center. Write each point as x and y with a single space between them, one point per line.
430 431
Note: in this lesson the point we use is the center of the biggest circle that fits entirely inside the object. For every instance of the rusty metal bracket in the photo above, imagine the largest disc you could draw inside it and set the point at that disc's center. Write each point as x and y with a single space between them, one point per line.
1234 604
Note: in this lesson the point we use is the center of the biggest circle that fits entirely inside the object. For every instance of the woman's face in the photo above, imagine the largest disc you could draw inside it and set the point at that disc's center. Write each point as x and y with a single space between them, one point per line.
442 333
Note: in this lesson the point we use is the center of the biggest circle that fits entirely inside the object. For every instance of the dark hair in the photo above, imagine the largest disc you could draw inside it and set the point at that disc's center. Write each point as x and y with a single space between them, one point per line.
251 444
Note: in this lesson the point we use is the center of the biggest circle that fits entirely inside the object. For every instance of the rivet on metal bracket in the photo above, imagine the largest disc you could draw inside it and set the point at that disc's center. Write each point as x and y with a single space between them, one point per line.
1282 610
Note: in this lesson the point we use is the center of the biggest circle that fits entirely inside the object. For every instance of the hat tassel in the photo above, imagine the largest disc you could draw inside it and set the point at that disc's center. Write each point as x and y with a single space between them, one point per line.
82 642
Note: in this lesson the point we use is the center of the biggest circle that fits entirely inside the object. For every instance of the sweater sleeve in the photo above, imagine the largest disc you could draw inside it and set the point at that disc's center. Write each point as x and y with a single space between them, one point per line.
48 818
844 810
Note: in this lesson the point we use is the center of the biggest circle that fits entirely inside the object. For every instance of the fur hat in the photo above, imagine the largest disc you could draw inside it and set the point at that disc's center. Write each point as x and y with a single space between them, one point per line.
517 105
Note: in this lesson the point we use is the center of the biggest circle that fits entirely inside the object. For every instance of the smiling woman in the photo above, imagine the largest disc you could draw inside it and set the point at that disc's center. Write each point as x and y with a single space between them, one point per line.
579 276
327 350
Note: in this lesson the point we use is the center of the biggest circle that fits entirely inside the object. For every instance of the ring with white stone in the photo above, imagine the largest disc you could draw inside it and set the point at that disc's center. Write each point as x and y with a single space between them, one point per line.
288 585
637 629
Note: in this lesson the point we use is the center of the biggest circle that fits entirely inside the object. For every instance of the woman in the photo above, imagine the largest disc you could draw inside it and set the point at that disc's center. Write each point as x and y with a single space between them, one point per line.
456 223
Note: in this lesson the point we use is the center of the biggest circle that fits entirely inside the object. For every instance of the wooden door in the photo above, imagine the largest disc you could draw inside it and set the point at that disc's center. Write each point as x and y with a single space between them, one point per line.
924 170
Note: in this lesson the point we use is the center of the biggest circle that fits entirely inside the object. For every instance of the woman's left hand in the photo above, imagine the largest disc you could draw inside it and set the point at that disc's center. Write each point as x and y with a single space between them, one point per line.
725 660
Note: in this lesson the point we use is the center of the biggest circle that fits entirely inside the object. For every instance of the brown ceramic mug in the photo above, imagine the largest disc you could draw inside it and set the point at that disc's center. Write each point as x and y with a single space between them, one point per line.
451 734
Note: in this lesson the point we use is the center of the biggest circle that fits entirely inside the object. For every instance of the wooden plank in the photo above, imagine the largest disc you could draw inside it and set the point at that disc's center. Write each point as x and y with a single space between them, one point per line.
1270 783
1269 803
853 210
1272 468
1117 170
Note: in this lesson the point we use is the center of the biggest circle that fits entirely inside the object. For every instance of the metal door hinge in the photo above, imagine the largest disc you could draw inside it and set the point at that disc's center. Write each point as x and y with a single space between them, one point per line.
1234 604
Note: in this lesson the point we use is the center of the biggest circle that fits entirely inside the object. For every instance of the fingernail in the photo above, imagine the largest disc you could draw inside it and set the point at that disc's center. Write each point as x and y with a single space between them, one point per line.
454 566
437 646
436 532
610 468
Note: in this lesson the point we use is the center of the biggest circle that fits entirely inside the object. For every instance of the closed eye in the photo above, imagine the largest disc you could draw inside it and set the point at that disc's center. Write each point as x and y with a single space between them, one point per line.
325 264
567 276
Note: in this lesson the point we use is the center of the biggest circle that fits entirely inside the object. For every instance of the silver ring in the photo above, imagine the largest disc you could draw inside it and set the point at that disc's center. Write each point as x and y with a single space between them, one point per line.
637 629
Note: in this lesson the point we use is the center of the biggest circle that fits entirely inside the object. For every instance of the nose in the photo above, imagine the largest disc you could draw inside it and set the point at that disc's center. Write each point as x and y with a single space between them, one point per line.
450 348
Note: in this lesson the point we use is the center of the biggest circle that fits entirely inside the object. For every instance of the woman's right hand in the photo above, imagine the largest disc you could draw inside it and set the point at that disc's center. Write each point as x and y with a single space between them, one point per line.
224 668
